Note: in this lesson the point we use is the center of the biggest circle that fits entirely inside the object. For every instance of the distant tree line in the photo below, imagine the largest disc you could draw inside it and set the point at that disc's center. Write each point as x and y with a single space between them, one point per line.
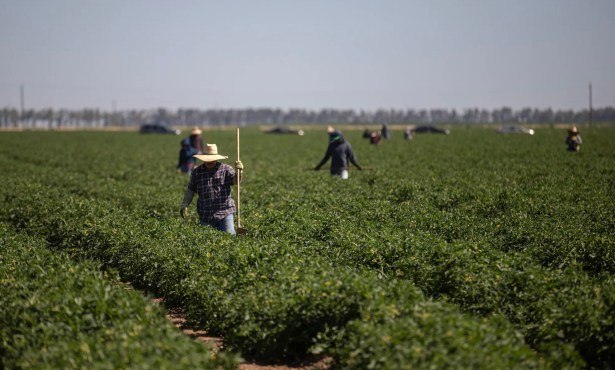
95 118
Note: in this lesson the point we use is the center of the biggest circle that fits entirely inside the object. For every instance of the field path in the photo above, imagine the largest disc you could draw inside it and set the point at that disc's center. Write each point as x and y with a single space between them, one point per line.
179 320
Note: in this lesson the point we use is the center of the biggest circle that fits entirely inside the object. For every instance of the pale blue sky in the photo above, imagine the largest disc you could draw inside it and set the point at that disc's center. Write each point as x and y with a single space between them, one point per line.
359 54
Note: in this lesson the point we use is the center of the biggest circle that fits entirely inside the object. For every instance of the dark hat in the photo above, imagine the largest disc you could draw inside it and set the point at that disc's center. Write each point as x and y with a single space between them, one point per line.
335 136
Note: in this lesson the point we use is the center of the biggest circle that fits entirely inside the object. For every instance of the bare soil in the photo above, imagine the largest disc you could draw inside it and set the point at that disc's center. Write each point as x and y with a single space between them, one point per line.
178 319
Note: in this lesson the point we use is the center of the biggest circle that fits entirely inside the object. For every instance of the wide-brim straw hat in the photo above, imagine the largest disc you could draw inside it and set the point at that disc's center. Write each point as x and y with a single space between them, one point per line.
196 131
211 154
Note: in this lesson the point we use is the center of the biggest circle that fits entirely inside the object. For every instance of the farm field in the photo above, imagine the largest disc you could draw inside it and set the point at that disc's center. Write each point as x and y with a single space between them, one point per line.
472 250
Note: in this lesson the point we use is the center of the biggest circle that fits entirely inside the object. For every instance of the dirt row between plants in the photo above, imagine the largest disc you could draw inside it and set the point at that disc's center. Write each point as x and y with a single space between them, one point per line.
178 318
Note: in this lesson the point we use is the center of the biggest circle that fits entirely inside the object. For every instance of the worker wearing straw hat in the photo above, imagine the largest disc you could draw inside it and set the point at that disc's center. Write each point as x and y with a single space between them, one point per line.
212 182
196 140
573 140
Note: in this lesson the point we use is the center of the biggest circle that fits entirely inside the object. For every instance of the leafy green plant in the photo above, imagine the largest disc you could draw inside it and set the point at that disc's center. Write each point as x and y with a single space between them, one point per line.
58 314
484 224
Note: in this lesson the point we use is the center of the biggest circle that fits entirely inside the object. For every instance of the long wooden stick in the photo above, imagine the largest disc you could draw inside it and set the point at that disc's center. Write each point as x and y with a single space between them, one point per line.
238 185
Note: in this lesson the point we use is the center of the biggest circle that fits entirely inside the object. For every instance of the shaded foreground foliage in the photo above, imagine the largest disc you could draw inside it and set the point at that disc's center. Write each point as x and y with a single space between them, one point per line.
443 254
55 313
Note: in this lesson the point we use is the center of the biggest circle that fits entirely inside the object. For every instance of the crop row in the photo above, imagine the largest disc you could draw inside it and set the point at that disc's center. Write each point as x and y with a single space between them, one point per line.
511 194
515 194
55 313
268 300
526 233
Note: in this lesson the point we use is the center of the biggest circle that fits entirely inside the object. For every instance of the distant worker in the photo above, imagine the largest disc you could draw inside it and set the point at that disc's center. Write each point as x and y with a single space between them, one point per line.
212 182
186 161
374 138
408 133
340 152
196 140
573 140
386 131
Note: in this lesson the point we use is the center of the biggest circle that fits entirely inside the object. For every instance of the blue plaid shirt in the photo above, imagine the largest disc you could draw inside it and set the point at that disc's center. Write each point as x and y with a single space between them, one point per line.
214 190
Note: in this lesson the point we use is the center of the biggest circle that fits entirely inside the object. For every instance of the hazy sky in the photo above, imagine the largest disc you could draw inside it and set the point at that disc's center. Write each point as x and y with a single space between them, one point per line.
313 54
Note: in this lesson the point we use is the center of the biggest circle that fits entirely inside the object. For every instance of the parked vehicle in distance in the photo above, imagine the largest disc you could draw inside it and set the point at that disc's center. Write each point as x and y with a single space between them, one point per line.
284 130
430 129
514 129
158 129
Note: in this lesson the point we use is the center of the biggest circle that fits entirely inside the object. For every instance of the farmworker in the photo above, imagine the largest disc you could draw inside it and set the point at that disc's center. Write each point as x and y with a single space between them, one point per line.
186 161
196 140
212 182
408 133
385 131
340 152
573 140
374 138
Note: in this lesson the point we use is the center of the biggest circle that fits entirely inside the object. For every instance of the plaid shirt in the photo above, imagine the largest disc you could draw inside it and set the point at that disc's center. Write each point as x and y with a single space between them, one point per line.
214 190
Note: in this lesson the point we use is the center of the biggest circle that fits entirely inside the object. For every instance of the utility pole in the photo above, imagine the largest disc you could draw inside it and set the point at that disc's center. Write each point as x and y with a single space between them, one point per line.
590 104
22 100
113 118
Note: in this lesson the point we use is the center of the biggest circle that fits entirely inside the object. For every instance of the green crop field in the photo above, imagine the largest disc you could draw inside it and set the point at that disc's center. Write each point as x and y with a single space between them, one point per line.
473 250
